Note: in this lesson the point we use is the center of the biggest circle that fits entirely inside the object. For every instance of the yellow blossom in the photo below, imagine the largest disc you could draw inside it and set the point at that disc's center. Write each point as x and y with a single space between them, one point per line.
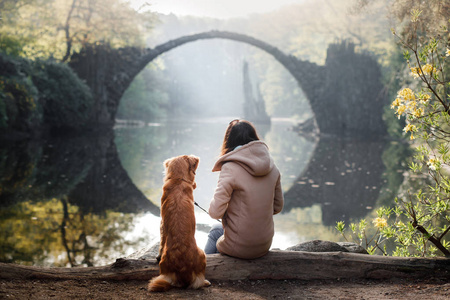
380 222
428 69
433 163
401 109
396 103
406 94
412 137
447 53
410 127
418 112
412 105
425 97
415 72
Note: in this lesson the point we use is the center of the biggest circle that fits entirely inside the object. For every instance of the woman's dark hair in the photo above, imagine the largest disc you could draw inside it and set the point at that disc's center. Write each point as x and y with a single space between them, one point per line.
238 133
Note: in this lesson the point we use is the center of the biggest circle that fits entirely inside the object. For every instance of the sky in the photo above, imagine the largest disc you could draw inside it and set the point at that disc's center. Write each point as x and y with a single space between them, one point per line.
221 9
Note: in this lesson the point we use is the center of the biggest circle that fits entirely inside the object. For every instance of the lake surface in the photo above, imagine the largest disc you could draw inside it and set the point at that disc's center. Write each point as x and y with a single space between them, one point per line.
89 200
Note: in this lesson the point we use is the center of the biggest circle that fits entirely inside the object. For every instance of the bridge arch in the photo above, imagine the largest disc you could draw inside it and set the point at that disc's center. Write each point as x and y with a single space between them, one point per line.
334 91
288 61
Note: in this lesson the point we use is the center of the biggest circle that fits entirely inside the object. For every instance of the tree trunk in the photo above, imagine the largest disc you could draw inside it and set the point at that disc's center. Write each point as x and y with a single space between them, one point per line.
275 265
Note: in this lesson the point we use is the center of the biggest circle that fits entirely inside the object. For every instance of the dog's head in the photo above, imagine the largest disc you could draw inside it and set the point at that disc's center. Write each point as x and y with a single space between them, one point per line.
182 167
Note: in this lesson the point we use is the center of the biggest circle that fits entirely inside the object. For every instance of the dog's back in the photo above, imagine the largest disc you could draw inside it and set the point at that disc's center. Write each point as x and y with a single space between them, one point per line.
182 262
181 255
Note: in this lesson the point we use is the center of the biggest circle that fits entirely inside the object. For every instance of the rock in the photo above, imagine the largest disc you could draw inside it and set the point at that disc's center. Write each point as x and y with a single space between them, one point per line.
318 246
147 253
353 247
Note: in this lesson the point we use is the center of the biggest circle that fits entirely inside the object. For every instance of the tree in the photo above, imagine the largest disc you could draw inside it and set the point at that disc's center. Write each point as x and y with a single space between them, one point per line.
420 221
51 28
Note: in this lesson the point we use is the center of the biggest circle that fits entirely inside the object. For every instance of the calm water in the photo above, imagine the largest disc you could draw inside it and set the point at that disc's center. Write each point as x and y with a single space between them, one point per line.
87 201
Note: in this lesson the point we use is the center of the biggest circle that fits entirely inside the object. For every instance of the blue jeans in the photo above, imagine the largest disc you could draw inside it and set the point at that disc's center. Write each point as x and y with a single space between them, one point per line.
214 234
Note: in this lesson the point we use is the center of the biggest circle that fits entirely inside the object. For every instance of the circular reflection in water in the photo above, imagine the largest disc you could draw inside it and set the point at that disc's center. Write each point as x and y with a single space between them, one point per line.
142 152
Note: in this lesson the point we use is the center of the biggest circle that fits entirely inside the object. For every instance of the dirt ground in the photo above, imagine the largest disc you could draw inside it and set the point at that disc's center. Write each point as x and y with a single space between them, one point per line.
259 289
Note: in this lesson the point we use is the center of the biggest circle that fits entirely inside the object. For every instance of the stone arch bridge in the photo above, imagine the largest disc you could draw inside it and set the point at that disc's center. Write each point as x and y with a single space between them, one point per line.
344 94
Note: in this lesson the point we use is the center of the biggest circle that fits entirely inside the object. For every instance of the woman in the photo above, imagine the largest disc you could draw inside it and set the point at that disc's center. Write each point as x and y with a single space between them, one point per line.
247 195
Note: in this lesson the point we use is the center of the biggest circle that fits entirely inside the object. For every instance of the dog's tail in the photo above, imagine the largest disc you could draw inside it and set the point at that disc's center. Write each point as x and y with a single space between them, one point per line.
161 283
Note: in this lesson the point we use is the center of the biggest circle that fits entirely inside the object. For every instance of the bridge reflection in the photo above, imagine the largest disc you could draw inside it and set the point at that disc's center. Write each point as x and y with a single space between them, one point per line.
86 170
344 176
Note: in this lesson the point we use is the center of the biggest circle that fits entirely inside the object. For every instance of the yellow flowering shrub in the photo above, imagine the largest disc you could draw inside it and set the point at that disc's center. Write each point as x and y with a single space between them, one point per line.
379 222
427 114
419 223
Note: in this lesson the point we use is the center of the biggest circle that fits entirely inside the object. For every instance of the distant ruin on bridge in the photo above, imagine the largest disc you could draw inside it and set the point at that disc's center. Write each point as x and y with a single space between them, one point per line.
345 94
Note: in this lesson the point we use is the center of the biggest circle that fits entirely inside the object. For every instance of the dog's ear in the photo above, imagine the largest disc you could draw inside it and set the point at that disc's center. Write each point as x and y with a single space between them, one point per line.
167 162
193 161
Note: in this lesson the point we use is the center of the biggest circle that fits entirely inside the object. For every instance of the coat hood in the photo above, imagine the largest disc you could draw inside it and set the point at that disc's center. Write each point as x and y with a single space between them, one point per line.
254 157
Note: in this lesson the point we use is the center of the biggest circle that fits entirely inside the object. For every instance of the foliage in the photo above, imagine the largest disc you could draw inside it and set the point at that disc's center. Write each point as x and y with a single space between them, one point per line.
19 107
146 99
433 15
50 28
38 93
393 78
370 241
66 100
420 221
11 45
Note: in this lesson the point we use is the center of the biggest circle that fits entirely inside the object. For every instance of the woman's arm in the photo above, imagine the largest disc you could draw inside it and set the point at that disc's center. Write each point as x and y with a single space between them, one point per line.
223 192
278 200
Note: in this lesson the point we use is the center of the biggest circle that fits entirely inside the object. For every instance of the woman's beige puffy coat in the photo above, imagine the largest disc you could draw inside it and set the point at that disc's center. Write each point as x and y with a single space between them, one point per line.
247 196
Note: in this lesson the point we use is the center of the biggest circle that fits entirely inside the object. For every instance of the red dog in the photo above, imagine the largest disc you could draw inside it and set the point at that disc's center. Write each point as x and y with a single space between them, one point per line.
182 263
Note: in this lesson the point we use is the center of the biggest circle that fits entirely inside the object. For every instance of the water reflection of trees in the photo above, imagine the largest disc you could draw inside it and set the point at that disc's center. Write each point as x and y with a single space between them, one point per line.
86 169
107 186
345 177
65 201
41 169
56 233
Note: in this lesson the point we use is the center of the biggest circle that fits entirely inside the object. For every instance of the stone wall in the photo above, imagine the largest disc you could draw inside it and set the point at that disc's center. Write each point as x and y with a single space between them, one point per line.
349 99
108 72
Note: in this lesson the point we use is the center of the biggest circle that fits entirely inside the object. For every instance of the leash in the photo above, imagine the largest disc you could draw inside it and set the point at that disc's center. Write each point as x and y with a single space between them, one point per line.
196 204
